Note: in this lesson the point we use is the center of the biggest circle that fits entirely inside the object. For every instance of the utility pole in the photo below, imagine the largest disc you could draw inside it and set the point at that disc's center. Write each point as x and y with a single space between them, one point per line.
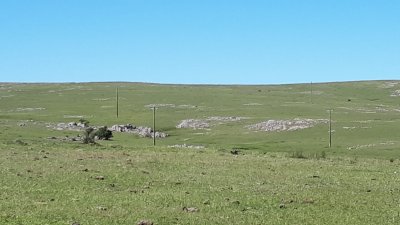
311 92
330 128
117 99
154 126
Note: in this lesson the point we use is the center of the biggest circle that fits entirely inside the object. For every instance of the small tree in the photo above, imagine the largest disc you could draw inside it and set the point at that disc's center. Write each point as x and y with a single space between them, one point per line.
88 136
103 133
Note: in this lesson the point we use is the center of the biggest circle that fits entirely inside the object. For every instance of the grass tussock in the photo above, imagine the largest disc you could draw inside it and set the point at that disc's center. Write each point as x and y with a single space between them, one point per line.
302 155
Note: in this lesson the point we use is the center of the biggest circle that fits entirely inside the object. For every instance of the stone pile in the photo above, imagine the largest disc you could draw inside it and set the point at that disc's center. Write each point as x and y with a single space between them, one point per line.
141 131
128 128
70 126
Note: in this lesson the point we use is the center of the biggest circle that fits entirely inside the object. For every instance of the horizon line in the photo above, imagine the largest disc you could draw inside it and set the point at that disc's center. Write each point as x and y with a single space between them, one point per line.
194 84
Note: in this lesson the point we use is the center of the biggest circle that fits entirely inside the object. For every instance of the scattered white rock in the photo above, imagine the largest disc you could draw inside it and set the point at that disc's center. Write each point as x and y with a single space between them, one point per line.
187 146
128 128
190 209
194 124
285 125
122 128
74 116
208 122
187 106
225 118
160 105
6 96
363 121
252 104
349 128
381 108
396 93
141 131
29 109
389 84
73 126
356 147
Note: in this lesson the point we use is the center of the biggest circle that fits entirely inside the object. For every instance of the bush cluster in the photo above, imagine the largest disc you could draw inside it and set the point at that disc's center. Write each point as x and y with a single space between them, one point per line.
90 135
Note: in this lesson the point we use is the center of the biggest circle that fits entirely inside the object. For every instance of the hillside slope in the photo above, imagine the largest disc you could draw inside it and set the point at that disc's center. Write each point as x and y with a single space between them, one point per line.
365 116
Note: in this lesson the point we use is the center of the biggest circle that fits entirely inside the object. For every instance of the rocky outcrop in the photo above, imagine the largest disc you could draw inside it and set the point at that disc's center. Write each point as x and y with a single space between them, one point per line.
285 125
208 122
396 93
141 131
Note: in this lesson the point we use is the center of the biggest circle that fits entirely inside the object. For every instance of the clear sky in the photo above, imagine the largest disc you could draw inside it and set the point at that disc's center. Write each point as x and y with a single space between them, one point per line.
199 41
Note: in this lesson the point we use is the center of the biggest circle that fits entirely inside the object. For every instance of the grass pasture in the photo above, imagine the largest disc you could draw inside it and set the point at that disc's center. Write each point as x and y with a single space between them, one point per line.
288 177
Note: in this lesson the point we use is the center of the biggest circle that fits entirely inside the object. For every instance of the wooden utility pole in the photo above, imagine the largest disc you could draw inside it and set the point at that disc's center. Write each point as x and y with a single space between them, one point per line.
117 99
154 126
330 128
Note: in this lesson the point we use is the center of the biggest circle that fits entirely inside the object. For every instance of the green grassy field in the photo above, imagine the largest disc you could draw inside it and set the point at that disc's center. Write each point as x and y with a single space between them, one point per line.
288 177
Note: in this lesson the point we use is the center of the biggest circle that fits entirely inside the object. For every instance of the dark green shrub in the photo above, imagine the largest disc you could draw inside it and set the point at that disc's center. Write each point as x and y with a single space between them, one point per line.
103 133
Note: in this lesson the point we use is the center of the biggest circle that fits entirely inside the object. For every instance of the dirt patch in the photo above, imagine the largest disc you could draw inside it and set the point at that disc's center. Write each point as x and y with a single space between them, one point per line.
285 125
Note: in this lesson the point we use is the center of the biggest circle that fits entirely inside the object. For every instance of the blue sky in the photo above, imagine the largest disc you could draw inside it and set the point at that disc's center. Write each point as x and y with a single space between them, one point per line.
204 42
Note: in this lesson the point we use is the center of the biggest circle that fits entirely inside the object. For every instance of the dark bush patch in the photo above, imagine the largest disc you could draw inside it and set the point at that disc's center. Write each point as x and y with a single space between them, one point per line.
103 133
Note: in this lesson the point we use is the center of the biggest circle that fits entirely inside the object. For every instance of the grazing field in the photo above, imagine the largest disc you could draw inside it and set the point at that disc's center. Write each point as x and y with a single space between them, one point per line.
233 155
